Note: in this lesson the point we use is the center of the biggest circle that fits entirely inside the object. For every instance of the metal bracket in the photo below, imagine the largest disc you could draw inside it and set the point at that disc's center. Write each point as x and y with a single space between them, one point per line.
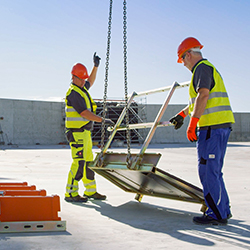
32 226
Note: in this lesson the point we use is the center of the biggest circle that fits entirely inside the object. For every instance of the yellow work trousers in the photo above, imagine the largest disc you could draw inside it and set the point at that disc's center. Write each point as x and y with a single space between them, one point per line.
81 151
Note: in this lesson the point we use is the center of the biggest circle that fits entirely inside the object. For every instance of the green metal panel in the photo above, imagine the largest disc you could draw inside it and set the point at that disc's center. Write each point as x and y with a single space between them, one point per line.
147 179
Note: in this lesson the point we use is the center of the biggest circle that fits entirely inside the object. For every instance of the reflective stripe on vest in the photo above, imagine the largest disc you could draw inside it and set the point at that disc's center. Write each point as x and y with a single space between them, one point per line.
73 118
69 118
218 109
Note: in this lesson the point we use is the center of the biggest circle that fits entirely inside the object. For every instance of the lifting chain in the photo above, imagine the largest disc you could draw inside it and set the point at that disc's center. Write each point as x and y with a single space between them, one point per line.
106 75
125 76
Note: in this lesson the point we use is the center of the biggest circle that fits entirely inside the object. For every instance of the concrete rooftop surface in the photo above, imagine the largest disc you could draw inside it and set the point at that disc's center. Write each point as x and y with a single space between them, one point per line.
121 222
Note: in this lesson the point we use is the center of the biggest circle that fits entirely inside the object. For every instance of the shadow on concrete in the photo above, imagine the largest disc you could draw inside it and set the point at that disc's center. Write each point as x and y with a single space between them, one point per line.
7 236
33 147
176 223
5 179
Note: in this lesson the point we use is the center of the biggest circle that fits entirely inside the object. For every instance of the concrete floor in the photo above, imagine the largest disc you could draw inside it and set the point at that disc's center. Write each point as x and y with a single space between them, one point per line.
121 222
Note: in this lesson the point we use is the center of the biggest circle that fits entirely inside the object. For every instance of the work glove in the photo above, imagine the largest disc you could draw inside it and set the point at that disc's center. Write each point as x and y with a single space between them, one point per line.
109 122
178 119
96 60
191 130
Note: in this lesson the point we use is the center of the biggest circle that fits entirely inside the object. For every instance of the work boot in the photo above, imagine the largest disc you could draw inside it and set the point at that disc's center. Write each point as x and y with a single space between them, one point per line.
77 198
229 216
206 220
96 196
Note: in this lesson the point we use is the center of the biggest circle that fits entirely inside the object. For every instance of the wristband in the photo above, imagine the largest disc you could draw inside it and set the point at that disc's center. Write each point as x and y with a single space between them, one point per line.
182 114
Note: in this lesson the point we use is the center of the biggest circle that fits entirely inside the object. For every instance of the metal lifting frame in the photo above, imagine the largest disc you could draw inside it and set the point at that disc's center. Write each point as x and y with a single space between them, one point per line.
139 173
153 125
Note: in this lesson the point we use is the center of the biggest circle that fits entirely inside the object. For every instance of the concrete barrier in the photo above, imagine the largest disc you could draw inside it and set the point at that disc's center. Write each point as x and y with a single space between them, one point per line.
240 129
32 122
40 122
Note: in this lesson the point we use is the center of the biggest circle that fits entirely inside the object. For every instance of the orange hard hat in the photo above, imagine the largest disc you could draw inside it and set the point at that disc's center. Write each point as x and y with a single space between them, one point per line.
80 71
187 44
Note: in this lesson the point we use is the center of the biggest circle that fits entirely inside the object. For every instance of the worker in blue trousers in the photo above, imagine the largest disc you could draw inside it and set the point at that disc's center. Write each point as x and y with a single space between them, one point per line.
210 112
80 112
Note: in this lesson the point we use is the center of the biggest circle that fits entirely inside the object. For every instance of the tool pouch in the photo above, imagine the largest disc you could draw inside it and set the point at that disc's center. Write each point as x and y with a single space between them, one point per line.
69 136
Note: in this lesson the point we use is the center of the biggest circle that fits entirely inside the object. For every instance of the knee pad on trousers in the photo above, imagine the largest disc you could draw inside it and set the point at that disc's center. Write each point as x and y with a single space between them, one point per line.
90 174
79 173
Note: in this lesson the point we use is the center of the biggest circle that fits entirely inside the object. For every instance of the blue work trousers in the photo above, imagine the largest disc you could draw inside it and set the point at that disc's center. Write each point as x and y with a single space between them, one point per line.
211 149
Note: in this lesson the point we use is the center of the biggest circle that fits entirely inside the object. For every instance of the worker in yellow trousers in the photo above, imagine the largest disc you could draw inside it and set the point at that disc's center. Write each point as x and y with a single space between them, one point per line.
80 116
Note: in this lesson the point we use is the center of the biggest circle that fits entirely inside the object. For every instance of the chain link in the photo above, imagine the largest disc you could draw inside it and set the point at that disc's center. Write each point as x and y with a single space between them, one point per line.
125 76
106 75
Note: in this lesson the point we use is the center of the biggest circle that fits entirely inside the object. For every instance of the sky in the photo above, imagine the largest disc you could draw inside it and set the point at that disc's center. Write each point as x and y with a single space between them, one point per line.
42 39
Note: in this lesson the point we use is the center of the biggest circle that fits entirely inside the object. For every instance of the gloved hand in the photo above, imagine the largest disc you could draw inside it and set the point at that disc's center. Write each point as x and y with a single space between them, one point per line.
96 60
191 130
109 122
178 119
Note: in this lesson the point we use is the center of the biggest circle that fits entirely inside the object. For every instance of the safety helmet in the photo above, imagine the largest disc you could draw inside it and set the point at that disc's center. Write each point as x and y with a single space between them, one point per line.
187 44
80 71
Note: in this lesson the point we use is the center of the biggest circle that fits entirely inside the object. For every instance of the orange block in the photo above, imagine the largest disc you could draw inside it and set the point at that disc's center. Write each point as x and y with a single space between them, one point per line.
24 192
17 187
14 183
29 208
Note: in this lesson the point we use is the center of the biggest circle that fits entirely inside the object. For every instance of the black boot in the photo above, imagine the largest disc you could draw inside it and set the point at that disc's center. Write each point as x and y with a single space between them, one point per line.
96 196
206 220
77 198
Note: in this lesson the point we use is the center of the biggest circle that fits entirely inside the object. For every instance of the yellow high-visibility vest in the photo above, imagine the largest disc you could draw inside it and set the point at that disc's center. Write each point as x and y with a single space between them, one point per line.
73 118
218 109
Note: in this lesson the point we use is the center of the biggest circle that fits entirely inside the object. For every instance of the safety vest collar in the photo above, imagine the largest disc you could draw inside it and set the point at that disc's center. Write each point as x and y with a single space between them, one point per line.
194 67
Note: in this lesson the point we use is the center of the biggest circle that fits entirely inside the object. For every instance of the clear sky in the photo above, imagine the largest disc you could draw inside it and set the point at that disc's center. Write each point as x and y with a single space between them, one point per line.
42 39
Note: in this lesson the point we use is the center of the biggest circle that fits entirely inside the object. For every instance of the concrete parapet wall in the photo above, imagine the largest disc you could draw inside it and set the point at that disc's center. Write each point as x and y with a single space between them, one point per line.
167 134
240 132
31 122
40 122
241 127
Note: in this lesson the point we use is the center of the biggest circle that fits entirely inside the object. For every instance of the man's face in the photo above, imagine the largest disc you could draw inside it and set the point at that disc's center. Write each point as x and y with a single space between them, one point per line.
83 82
78 81
186 58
